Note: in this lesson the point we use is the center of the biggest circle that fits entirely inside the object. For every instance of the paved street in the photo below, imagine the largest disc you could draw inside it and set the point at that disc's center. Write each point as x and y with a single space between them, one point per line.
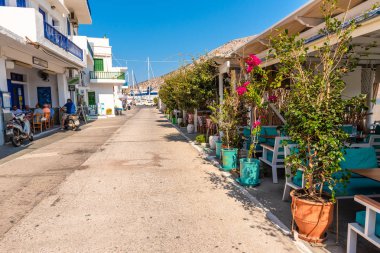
129 184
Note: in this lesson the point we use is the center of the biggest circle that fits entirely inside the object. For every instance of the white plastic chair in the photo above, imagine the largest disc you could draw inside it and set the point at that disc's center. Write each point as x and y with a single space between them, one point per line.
276 162
368 231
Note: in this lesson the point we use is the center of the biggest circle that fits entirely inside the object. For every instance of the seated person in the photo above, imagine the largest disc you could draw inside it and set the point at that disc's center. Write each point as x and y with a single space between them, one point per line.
46 109
15 111
52 112
28 112
38 110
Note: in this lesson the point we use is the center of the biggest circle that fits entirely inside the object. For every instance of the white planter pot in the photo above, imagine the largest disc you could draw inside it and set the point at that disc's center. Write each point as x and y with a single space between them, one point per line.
212 141
190 128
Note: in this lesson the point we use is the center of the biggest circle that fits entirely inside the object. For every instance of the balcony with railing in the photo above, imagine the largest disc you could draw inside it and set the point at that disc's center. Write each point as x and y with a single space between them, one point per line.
102 76
57 38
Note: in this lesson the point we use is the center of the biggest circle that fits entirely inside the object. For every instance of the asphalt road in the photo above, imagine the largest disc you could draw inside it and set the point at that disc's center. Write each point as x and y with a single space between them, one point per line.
126 185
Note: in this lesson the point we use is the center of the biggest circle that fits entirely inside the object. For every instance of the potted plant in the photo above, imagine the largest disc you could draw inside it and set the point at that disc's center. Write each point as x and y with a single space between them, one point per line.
252 92
314 115
190 123
212 141
191 87
179 118
229 126
216 117
201 140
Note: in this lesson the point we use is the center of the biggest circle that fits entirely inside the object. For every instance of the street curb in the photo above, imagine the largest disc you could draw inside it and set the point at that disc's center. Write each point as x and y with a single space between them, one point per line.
269 215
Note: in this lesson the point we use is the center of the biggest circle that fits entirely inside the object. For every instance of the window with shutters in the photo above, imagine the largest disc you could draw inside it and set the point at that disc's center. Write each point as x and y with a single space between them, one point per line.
98 65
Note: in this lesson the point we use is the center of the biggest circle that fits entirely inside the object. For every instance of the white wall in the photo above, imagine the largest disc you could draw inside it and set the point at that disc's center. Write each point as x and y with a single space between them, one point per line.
353 84
25 27
3 76
104 94
32 81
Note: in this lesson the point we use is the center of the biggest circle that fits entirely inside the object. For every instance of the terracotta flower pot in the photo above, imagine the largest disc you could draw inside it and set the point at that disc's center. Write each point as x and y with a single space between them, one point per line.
312 218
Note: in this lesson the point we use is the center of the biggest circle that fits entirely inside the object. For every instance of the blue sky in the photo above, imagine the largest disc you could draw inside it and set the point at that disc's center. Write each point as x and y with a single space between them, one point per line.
177 30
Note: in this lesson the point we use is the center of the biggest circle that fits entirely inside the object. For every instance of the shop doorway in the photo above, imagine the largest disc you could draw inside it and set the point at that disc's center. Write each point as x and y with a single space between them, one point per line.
17 94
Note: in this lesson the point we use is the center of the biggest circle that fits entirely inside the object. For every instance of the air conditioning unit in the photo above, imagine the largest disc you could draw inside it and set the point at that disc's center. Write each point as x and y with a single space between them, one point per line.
73 73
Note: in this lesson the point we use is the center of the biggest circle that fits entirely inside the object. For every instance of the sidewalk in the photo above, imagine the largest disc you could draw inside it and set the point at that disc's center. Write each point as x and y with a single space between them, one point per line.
269 196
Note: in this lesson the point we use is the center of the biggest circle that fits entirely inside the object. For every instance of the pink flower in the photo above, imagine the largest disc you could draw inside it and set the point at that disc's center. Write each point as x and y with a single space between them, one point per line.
249 69
246 84
272 99
253 60
257 123
241 90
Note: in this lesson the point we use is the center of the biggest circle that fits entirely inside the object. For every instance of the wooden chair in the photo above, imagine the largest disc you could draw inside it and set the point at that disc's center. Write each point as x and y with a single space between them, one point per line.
37 122
52 121
46 120
201 124
274 156
366 224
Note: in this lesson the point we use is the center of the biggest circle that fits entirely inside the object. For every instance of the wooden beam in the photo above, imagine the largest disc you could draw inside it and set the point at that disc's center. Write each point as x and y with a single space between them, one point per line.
309 22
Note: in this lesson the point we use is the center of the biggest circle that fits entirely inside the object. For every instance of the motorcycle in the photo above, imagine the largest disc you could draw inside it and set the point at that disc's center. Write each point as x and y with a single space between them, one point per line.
72 122
18 130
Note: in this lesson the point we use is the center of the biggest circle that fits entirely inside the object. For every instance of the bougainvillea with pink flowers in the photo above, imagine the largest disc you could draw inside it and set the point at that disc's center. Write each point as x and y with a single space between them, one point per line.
252 90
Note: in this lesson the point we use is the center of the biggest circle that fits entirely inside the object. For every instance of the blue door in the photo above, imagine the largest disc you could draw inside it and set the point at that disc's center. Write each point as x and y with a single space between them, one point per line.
17 94
43 14
2 2
21 3
44 95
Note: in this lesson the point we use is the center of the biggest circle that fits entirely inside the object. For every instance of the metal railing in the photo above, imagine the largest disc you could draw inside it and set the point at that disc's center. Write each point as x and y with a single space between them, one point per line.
57 38
107 75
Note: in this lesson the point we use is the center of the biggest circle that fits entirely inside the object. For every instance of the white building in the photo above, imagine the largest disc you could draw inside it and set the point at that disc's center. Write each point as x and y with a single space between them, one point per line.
40 51
106 81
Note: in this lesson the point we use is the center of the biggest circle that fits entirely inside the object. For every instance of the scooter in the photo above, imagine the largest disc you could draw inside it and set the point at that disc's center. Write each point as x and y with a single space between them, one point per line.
72 122
18 130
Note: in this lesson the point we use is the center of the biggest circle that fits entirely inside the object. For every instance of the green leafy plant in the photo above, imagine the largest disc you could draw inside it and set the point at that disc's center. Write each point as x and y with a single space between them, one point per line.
191 87
315 111
200 138
155 100
229 118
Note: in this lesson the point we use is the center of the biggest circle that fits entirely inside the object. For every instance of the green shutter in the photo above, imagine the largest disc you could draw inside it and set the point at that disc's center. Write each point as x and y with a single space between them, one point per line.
91 98
98 65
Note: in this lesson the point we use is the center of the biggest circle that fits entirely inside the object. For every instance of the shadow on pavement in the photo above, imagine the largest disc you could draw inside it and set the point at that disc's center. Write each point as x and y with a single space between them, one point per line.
221 182
175 138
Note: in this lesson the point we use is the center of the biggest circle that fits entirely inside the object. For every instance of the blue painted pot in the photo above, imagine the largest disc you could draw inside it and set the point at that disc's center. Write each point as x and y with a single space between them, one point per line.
249 172
218 149
229 158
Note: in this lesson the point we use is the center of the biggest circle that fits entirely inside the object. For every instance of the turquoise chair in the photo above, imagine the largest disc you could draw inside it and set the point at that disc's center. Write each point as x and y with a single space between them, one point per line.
355 158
